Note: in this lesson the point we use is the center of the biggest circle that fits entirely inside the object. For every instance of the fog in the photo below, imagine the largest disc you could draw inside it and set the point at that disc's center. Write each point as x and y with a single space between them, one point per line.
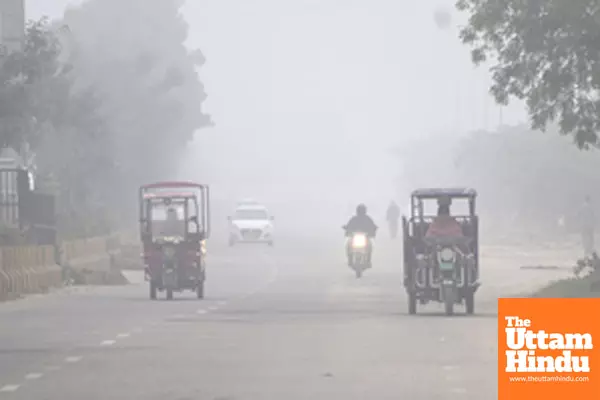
311 97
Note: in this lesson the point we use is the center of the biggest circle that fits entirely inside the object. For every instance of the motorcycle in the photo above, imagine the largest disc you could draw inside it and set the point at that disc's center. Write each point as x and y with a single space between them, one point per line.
446 257
359 248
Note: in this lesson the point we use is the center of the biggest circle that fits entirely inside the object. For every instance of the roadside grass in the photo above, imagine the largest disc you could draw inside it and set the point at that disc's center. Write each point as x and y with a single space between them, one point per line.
588 287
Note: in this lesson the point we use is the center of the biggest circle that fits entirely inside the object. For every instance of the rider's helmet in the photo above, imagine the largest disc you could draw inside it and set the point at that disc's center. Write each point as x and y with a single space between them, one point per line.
361 209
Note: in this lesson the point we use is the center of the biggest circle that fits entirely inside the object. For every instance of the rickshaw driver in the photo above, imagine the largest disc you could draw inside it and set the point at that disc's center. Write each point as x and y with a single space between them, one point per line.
172 224
444 224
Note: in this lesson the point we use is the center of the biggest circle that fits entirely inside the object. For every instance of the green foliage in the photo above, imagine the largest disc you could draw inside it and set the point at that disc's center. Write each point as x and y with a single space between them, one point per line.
527 180
543 52
148 77
588 287
103 106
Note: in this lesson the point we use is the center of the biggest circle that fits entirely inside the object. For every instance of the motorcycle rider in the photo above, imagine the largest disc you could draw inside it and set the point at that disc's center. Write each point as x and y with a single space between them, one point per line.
392 216
444 224
360 222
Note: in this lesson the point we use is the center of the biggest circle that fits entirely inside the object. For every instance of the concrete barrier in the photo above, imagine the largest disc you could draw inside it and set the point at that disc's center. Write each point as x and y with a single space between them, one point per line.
36 269
27 269
92 261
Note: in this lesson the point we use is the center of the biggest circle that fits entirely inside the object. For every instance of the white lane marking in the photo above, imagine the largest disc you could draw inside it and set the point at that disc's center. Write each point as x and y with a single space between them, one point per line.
201 312
32 376
137 330
442 339
450 367
222 303
73 359
123 335
212 308
9 388
108 342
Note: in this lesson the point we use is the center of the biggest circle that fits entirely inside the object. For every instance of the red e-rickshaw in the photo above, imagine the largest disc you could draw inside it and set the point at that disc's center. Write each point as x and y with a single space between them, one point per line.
174 227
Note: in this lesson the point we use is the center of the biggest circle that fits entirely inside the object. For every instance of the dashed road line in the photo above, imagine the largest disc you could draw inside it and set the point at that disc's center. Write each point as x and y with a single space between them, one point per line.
213 308
9 388
123 335
72 359
53 367
201 311
450 367
108 342
33 376
222 303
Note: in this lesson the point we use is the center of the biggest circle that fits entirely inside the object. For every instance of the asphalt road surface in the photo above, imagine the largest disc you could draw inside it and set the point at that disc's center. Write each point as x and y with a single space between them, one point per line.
288 322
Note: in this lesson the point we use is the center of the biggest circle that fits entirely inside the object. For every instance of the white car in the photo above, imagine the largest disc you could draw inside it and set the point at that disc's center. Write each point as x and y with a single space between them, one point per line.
251 224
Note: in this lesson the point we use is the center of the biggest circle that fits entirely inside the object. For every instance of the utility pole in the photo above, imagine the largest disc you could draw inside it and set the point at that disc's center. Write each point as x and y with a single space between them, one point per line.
12 25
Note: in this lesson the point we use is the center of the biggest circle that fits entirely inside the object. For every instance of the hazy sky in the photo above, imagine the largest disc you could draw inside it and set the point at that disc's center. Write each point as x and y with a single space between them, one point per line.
315 92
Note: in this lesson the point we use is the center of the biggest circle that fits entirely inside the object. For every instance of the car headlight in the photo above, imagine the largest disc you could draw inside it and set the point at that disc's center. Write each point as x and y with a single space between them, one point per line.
359 241
446 254
203 247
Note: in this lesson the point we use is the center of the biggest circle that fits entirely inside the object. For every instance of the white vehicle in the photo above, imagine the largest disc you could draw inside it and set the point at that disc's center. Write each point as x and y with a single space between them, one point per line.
251 224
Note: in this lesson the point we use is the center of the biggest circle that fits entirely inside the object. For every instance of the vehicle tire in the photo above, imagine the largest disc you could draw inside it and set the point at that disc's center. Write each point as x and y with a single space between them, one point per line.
200 290
470 303
169 294
231 242
270 243
358 273
448 300
153 291
412 304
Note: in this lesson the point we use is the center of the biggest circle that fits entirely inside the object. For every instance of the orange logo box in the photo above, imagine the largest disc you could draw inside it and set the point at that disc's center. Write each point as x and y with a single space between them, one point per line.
548 349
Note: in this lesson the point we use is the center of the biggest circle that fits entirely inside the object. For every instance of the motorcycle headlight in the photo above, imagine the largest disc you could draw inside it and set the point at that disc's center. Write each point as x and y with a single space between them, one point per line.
359 241
446 254
203 247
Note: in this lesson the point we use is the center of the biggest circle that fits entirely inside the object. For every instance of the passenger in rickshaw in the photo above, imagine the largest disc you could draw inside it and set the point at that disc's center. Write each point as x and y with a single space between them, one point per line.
173 226
444 224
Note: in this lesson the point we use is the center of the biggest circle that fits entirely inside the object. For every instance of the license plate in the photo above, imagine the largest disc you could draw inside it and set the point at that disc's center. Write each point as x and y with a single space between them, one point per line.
446 266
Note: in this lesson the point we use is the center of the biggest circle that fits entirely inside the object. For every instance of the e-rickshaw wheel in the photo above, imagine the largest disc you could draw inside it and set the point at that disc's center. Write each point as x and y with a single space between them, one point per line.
169 294
412 304
200 290
153 291
470 302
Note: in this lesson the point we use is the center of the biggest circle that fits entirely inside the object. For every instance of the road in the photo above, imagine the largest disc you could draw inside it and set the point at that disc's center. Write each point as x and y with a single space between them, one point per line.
288 322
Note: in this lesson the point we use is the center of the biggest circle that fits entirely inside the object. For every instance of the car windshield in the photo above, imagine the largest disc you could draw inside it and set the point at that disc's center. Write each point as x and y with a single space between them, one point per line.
250 215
